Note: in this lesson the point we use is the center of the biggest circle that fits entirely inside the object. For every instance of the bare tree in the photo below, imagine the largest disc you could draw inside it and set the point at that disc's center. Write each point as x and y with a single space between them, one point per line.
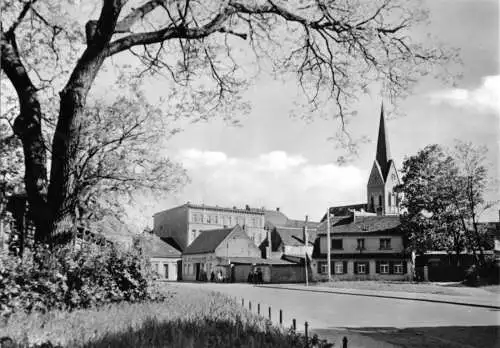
335 48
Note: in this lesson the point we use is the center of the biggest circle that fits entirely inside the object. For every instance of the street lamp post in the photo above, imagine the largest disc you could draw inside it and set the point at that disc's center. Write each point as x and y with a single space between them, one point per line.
328 246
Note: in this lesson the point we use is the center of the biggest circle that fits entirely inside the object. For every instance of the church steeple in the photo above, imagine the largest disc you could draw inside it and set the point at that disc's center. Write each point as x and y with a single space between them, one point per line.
383 155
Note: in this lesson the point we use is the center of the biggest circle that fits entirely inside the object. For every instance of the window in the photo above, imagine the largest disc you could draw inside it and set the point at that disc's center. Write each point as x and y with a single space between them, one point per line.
384 267
372 203
193 235
389 199
339 267
362 268
216 219
165 270
361 244
379 200
230 220
398 268
385 243
155 267
323 268
337 244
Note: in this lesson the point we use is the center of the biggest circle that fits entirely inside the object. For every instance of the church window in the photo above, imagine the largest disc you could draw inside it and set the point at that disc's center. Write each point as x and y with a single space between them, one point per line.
389 199
380 200
372 204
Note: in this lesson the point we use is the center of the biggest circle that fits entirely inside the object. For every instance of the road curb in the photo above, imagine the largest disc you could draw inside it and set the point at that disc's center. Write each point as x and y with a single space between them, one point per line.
479 305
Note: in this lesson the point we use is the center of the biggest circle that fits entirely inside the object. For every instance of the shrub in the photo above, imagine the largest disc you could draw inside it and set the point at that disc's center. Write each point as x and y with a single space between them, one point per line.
67 278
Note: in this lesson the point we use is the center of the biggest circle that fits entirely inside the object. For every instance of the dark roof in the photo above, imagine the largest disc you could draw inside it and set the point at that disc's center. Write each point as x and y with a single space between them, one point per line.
154 246
365 224
294 236
208 241
383 156
275 217
171 241
301 223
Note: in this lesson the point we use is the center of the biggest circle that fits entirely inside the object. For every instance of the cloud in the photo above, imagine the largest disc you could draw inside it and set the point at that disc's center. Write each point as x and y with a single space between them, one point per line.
274 179
485 98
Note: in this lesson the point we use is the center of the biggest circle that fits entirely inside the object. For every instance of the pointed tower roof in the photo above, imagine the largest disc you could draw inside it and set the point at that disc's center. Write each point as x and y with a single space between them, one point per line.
383 155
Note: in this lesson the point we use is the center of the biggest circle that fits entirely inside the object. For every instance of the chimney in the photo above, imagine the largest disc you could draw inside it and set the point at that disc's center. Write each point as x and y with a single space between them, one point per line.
278 209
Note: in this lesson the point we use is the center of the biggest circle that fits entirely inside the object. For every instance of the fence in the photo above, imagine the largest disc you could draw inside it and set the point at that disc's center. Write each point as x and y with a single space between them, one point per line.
311 342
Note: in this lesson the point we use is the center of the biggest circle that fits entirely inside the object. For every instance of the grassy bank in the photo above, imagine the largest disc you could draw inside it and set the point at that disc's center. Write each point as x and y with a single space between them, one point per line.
190 318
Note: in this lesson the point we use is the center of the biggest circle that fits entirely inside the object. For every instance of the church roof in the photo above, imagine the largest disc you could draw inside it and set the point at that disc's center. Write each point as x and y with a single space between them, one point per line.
383 156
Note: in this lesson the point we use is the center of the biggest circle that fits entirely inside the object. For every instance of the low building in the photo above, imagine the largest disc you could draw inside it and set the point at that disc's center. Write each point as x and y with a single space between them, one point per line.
164 257
186 222
215 248
362 248
288 241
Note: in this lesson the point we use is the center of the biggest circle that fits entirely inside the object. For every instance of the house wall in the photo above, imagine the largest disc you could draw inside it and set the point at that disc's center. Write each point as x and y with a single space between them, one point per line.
160 264
288 274
298 250
372 244
237 244
371 274
207 263
172 223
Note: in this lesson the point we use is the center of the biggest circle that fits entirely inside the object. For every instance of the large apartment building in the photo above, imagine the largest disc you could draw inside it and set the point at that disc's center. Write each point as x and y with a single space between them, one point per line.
184 223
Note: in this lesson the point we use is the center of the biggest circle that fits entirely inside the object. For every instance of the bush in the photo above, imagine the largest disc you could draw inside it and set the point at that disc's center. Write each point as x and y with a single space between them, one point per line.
67 278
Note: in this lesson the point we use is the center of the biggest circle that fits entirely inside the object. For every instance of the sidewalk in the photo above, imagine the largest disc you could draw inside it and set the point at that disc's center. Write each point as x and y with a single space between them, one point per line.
490 302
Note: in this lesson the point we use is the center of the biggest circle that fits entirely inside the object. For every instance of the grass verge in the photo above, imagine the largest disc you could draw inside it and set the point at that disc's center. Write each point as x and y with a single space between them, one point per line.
191 318
425 288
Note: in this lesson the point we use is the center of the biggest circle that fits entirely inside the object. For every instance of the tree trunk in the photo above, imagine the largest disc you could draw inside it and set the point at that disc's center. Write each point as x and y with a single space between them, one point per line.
63 184
27 127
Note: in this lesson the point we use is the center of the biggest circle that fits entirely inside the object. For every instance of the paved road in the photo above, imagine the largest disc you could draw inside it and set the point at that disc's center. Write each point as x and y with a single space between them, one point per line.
373 322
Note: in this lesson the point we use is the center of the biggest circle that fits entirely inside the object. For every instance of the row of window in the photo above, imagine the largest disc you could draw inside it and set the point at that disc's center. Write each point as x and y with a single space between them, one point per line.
225 220
381 267
384 244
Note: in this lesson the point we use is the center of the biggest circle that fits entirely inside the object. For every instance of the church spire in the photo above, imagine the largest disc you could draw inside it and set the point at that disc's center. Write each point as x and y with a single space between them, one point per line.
383 154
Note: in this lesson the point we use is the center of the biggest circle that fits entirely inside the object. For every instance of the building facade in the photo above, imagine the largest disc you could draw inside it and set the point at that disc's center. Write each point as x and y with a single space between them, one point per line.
165 258
215 248
363 248
186 222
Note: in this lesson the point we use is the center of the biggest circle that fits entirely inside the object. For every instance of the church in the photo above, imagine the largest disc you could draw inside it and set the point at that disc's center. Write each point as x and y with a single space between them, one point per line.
366 242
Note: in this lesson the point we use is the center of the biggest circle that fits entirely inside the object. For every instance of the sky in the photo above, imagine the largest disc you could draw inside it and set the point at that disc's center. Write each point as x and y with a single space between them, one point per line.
272 160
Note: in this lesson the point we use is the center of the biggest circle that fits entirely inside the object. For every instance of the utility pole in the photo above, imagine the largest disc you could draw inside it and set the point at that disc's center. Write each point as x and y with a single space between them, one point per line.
328 246
306 244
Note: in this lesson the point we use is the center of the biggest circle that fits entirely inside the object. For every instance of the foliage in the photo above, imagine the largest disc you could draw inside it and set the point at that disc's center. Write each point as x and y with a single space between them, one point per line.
185 318
336 50
443 194
70 277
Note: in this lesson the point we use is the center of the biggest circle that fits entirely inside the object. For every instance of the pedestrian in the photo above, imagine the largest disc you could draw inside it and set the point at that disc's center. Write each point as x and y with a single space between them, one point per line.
259 276
212 276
